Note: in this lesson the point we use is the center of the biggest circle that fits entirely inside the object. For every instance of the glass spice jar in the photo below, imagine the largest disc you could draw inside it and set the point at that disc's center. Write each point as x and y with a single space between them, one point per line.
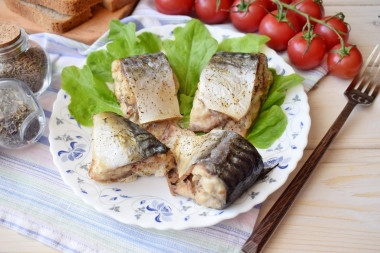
23 59
22 120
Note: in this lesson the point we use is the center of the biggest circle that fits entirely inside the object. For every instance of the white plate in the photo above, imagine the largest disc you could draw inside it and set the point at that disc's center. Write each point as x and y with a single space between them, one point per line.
147 202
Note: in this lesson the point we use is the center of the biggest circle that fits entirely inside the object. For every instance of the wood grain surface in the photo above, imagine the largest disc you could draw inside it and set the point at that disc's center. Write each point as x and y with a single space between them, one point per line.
338 210
87 32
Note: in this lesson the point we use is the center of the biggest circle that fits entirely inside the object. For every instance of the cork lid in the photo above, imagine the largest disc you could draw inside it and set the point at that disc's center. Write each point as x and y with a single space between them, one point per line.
9 33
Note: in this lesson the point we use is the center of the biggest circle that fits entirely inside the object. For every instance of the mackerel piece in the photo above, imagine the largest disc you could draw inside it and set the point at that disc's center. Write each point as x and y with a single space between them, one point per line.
214 169
122 150
230 92
146 88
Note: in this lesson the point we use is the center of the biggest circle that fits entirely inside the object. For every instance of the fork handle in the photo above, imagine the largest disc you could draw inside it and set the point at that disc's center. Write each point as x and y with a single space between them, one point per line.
264 230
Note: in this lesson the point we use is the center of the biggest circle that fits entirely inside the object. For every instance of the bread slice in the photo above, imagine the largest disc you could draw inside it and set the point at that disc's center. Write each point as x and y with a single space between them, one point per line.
69 7
52 20
114 5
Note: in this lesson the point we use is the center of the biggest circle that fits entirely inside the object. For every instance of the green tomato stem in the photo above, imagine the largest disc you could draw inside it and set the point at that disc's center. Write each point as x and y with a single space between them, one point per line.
308 18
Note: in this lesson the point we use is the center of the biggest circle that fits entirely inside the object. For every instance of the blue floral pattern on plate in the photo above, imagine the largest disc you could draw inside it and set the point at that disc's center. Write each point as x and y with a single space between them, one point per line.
147 202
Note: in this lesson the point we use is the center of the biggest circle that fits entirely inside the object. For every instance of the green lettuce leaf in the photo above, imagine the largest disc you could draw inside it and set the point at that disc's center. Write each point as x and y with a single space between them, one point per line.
185 105
188 54
250 43
126 43
269 126
280 86
272 121
89 95
100 64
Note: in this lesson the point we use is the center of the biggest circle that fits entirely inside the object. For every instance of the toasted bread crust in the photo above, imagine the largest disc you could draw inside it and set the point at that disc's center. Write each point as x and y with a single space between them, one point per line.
114 5
51 20
69 7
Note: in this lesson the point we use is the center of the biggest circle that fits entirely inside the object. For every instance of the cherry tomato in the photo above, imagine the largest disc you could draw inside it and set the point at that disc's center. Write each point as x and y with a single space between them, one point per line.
174 7
206 10
348 66
279 32
273 5
303 57
246 17
330 37
312 7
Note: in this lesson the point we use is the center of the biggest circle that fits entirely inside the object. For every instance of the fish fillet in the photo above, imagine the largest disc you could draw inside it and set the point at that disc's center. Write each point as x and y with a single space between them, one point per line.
230 92
146 88
214 169
123 151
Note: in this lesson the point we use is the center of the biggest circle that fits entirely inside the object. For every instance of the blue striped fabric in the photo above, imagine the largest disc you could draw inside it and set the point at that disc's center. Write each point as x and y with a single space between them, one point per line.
36 202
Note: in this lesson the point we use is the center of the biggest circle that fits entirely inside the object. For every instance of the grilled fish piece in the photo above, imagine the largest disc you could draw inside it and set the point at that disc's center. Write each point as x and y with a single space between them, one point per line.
230 92
214 169
146 88
122 150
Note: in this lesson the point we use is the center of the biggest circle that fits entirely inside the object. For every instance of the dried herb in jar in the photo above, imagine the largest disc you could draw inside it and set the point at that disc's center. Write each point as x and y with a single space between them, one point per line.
23 59
29 67
13 112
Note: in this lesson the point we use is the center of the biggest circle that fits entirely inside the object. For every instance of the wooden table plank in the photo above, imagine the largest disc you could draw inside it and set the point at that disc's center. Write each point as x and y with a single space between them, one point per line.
350 2
337 211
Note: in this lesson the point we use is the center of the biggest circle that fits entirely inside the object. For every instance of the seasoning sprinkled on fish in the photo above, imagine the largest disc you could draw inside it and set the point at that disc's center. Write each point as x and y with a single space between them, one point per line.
230 92
122 150
146 88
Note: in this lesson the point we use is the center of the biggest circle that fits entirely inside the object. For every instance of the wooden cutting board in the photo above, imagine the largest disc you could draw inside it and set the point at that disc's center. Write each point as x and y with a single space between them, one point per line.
87 32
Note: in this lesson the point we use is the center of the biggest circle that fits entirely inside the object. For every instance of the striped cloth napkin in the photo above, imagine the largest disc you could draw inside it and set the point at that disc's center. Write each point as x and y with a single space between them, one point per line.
35 201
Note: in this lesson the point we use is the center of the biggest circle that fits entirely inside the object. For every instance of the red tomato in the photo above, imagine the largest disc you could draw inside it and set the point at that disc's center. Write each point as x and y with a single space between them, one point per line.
348 66
279 32
312 7
246 17
206 10
273 5
303 59
330 37
174 7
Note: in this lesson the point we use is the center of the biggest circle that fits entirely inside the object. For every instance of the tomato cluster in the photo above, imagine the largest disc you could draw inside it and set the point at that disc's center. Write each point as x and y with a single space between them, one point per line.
298 26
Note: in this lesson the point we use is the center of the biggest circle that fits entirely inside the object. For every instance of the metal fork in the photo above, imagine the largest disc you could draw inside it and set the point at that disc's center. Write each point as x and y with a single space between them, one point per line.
362 90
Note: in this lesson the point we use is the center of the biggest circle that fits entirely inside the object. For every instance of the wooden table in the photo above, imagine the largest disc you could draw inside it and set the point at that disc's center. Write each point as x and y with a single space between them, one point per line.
339 209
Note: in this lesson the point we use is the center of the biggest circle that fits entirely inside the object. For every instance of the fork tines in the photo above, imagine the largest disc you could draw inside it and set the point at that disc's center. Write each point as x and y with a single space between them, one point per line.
366 81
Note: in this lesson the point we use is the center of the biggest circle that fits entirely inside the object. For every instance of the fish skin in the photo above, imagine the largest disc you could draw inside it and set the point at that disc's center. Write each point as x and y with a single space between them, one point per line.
147 144
240 169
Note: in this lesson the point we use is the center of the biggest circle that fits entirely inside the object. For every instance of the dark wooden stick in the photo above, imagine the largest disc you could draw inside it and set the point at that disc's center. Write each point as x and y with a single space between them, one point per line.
264 230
